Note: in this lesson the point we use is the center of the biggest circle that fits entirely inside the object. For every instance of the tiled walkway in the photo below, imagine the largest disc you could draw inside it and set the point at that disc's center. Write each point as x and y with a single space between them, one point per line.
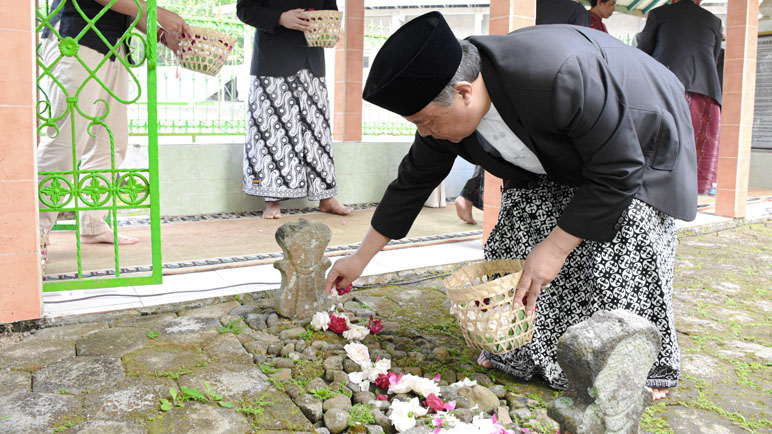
223 282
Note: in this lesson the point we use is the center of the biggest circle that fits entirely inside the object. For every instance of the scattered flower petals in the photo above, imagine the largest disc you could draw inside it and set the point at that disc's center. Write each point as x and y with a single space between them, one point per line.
381 398
384 381
403 414
437 378
374 326
358 353
338 324
414 383
320 321
356 333
435 403
342 291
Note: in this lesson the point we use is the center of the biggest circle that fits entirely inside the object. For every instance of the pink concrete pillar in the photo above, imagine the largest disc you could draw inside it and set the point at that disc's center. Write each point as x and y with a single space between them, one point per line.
742 21
506 16
20 285
348 74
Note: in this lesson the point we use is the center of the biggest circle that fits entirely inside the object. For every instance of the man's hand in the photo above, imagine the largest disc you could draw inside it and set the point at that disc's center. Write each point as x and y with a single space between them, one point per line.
172 42
295 19
173 24
543 264
347 270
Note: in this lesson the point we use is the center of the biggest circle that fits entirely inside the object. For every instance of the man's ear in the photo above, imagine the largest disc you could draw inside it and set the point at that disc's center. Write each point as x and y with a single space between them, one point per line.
464 88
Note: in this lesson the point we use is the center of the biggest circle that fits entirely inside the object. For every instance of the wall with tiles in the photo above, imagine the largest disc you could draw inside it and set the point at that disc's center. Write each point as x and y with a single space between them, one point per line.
19 251
206 178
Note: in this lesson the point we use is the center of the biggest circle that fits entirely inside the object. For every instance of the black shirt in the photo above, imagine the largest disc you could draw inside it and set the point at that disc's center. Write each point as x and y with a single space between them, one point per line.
279 51
112 25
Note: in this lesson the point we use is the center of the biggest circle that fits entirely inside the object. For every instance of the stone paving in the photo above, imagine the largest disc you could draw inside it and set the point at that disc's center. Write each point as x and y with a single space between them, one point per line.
109 373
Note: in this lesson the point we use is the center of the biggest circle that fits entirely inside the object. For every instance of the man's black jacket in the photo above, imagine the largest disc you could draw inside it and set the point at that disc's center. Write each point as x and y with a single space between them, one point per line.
599 115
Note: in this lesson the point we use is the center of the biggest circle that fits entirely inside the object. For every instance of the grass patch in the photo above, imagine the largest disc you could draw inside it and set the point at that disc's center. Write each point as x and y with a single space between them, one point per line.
360 414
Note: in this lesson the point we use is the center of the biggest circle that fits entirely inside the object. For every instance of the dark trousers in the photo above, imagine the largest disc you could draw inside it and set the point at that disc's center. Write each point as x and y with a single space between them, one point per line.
473 189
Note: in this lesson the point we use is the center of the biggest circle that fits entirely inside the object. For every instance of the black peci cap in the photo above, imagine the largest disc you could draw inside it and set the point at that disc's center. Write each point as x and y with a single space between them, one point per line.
413 66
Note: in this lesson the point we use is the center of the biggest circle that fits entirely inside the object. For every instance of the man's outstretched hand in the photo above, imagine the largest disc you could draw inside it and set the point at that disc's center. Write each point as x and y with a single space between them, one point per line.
343 272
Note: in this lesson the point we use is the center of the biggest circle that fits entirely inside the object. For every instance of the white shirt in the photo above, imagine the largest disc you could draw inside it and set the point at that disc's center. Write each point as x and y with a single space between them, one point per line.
511 148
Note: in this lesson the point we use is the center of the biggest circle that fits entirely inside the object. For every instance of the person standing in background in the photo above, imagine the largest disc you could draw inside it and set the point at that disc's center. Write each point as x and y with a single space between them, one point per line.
288 146
100 89
547 12
600 10
561 12
687 39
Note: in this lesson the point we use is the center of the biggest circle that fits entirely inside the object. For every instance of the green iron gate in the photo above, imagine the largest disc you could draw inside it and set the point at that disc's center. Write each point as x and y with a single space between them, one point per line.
110 188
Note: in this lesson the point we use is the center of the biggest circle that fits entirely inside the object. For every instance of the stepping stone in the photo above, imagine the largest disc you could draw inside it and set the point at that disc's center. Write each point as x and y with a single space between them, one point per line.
163 358
15 382
189 330
213 311
113 342
70 332
132 395
79 375
227 346
230 380
145 322
108 427
33 354
24 413
196 418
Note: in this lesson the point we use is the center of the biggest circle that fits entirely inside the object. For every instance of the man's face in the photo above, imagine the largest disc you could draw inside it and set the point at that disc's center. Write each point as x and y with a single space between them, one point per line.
606 9
453 123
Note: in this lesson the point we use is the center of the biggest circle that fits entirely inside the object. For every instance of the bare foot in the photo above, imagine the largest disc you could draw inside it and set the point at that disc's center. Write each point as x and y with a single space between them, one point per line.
464 210
332 206
484 361
107 238
659 393
272 210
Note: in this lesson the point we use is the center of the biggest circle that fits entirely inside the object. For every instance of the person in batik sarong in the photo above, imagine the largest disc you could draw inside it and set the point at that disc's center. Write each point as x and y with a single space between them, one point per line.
288 145
594 141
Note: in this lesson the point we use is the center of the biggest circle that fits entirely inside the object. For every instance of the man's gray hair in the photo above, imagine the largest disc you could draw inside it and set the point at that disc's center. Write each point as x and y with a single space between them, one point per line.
468 70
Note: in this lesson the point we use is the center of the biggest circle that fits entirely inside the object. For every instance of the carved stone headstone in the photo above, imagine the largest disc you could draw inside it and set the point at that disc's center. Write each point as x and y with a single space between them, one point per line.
606 360
302 269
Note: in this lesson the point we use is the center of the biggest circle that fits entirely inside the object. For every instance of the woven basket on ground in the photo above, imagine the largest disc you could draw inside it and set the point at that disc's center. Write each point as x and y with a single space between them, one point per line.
482 299
206 51
325 28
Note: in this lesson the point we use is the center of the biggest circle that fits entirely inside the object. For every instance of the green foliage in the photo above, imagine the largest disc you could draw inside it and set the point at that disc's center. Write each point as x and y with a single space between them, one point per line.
191 394
255 406
345 391
703 402
267 368
174 374
652 422
305 370
360 414
307 335
323 393
64 391
232 327
153 334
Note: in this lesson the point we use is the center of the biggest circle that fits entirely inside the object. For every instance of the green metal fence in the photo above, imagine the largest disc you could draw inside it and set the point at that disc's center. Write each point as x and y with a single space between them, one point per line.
107 188
191 104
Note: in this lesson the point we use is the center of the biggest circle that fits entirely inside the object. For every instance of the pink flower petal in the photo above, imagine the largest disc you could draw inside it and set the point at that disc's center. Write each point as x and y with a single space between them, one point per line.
382 398
437 377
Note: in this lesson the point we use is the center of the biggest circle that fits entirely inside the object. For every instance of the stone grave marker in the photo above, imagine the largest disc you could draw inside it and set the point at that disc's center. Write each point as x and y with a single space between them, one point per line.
303 269
606 360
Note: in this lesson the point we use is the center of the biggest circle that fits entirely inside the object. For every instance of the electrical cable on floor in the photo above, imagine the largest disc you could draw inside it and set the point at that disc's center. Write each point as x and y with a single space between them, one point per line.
375 285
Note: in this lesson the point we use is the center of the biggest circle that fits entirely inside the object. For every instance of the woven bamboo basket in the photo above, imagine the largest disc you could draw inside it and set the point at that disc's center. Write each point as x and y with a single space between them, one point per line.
325 28
482 299
206 51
